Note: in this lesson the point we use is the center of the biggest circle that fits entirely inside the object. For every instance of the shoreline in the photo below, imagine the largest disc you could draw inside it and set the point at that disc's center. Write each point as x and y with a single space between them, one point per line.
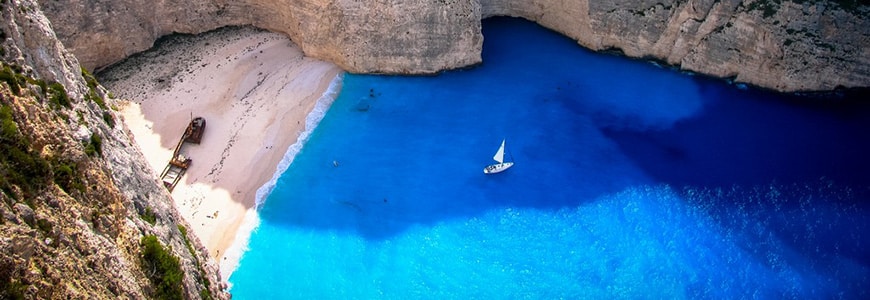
251 220
255 89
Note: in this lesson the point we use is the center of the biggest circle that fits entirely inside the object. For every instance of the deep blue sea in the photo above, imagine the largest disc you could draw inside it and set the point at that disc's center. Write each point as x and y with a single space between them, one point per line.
630 181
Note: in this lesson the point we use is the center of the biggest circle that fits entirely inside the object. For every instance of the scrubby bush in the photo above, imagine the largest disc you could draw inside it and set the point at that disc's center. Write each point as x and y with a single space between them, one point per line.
89 78
8 127
162 268
109 119
43 86
58 96
94 146
93 91
94 97
66 176
19 165
205 294
13 78
149 216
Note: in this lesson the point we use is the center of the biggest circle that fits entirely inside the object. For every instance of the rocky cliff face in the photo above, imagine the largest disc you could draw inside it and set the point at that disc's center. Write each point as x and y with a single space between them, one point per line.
388 36
77 197
785 45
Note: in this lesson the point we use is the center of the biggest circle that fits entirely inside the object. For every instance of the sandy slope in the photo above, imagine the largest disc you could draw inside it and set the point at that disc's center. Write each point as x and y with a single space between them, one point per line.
254 89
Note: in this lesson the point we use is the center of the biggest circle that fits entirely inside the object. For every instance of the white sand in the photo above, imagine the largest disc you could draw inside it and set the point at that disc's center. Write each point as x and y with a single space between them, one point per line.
253 88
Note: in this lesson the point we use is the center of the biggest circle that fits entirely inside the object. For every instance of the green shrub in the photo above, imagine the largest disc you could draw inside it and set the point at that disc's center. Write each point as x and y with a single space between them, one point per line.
8 127
202 279
62 171
204 294
13 78
81 116
109 119
19 165
93 93
187 241
149 216
66 176
94 97
89 78
58 96
43 86
162 268
94 146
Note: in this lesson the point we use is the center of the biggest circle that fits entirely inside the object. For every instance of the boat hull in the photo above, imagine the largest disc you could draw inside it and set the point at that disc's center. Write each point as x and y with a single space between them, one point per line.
497 168
194 131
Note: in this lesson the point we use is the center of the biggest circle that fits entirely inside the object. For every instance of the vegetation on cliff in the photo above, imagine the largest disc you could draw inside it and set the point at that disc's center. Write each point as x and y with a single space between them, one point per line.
25 171
63 223
162 268
33 159
201 278
72 188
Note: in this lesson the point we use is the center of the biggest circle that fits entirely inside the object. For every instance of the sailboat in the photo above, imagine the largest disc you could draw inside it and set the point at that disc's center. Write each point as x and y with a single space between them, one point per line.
501 165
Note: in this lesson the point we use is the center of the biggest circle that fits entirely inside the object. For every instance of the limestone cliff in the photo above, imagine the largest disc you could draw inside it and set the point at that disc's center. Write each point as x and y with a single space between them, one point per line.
390 36
785 45
788 46
78 199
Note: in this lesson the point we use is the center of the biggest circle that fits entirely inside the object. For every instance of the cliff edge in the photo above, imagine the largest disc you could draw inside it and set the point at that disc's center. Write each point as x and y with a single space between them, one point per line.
786 45
81 215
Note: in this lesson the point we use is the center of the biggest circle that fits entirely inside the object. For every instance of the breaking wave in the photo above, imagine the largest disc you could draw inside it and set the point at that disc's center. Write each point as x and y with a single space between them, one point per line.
252 218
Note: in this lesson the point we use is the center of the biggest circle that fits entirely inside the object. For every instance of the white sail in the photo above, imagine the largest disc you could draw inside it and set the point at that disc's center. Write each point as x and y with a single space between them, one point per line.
499 155
501 165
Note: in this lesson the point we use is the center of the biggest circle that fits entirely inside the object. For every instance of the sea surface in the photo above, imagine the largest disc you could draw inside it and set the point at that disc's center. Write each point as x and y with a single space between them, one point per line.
630 181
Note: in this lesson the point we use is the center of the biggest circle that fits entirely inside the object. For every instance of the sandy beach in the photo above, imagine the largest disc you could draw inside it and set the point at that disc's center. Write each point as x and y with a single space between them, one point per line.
254 88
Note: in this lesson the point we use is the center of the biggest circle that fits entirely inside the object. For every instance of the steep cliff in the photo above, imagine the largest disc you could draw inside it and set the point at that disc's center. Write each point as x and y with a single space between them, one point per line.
81 215
785 45
390 36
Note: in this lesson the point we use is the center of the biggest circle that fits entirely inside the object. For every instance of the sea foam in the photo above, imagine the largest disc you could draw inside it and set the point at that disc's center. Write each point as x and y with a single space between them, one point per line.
234 253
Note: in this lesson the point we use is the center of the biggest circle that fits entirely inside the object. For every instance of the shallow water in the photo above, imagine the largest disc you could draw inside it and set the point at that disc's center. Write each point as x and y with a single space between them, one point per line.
630 181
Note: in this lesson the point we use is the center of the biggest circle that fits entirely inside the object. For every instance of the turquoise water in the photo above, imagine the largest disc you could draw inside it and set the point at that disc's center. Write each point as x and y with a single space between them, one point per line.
631 181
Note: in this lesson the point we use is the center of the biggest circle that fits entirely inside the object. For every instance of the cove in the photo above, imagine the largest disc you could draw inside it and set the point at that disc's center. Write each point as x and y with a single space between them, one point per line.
630 181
